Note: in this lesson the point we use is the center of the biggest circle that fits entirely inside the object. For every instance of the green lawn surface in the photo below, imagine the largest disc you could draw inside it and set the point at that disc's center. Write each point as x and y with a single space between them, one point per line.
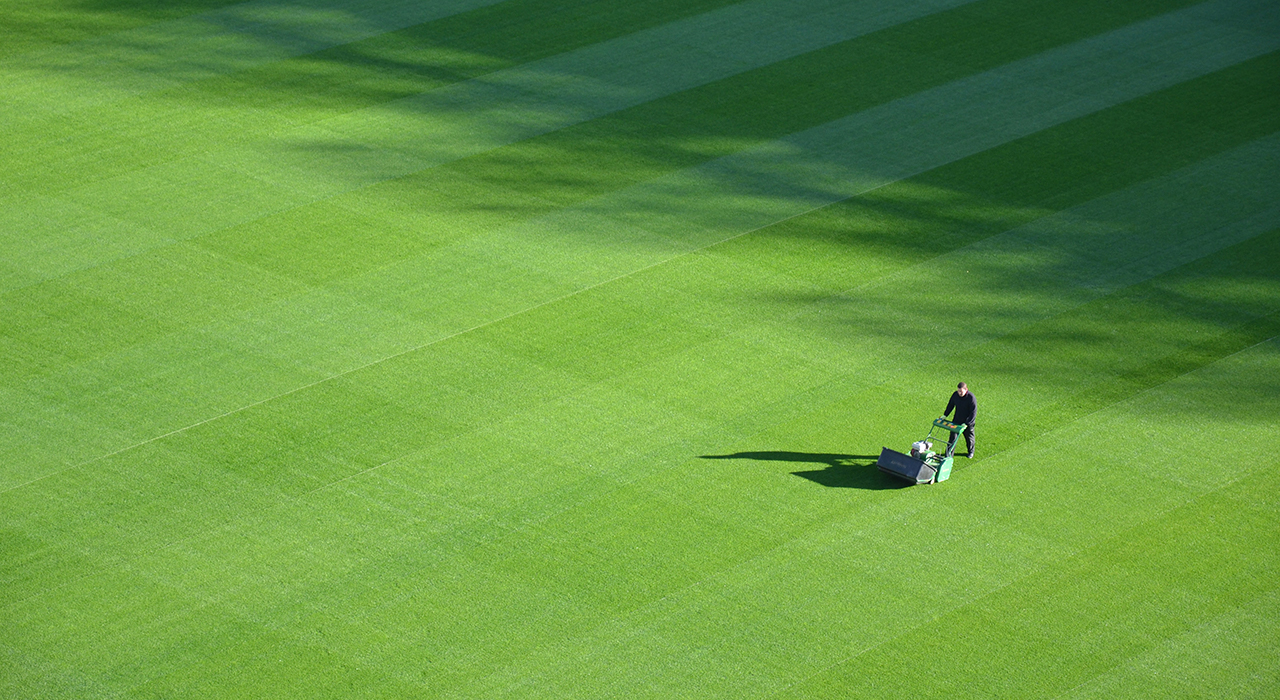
544 349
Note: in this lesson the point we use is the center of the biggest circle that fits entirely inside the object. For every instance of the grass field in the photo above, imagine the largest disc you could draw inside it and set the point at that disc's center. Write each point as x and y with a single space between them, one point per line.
543 348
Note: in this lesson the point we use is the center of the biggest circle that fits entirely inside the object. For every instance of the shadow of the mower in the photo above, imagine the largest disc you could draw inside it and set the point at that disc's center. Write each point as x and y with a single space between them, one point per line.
843 471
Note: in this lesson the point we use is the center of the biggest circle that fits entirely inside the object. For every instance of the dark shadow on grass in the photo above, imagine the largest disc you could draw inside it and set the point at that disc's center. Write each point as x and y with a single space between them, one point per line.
842 470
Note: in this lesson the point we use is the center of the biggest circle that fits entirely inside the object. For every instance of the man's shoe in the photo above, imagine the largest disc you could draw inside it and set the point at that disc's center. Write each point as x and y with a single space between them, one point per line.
970 455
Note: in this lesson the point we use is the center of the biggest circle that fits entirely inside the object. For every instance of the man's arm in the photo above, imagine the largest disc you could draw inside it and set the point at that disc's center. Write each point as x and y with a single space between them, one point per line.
951 404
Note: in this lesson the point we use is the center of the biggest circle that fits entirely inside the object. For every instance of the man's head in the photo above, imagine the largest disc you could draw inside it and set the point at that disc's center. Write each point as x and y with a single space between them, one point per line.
962 388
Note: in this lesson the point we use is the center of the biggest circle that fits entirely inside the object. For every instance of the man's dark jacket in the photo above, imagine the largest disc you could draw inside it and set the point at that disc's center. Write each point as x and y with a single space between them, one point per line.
966 408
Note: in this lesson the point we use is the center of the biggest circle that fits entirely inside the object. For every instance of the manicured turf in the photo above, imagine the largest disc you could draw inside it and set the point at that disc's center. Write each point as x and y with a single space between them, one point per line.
530 349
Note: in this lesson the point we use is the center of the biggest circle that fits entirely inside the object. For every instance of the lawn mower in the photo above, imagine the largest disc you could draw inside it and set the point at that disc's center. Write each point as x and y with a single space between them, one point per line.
922 465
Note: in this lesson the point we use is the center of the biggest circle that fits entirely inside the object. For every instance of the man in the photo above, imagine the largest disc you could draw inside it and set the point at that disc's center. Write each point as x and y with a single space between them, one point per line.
966 408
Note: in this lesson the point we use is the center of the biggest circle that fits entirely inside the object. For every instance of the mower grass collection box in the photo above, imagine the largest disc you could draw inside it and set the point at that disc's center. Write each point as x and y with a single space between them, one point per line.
922 465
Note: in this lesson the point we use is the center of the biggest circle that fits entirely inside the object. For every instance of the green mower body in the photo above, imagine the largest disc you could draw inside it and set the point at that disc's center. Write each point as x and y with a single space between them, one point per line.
926 467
